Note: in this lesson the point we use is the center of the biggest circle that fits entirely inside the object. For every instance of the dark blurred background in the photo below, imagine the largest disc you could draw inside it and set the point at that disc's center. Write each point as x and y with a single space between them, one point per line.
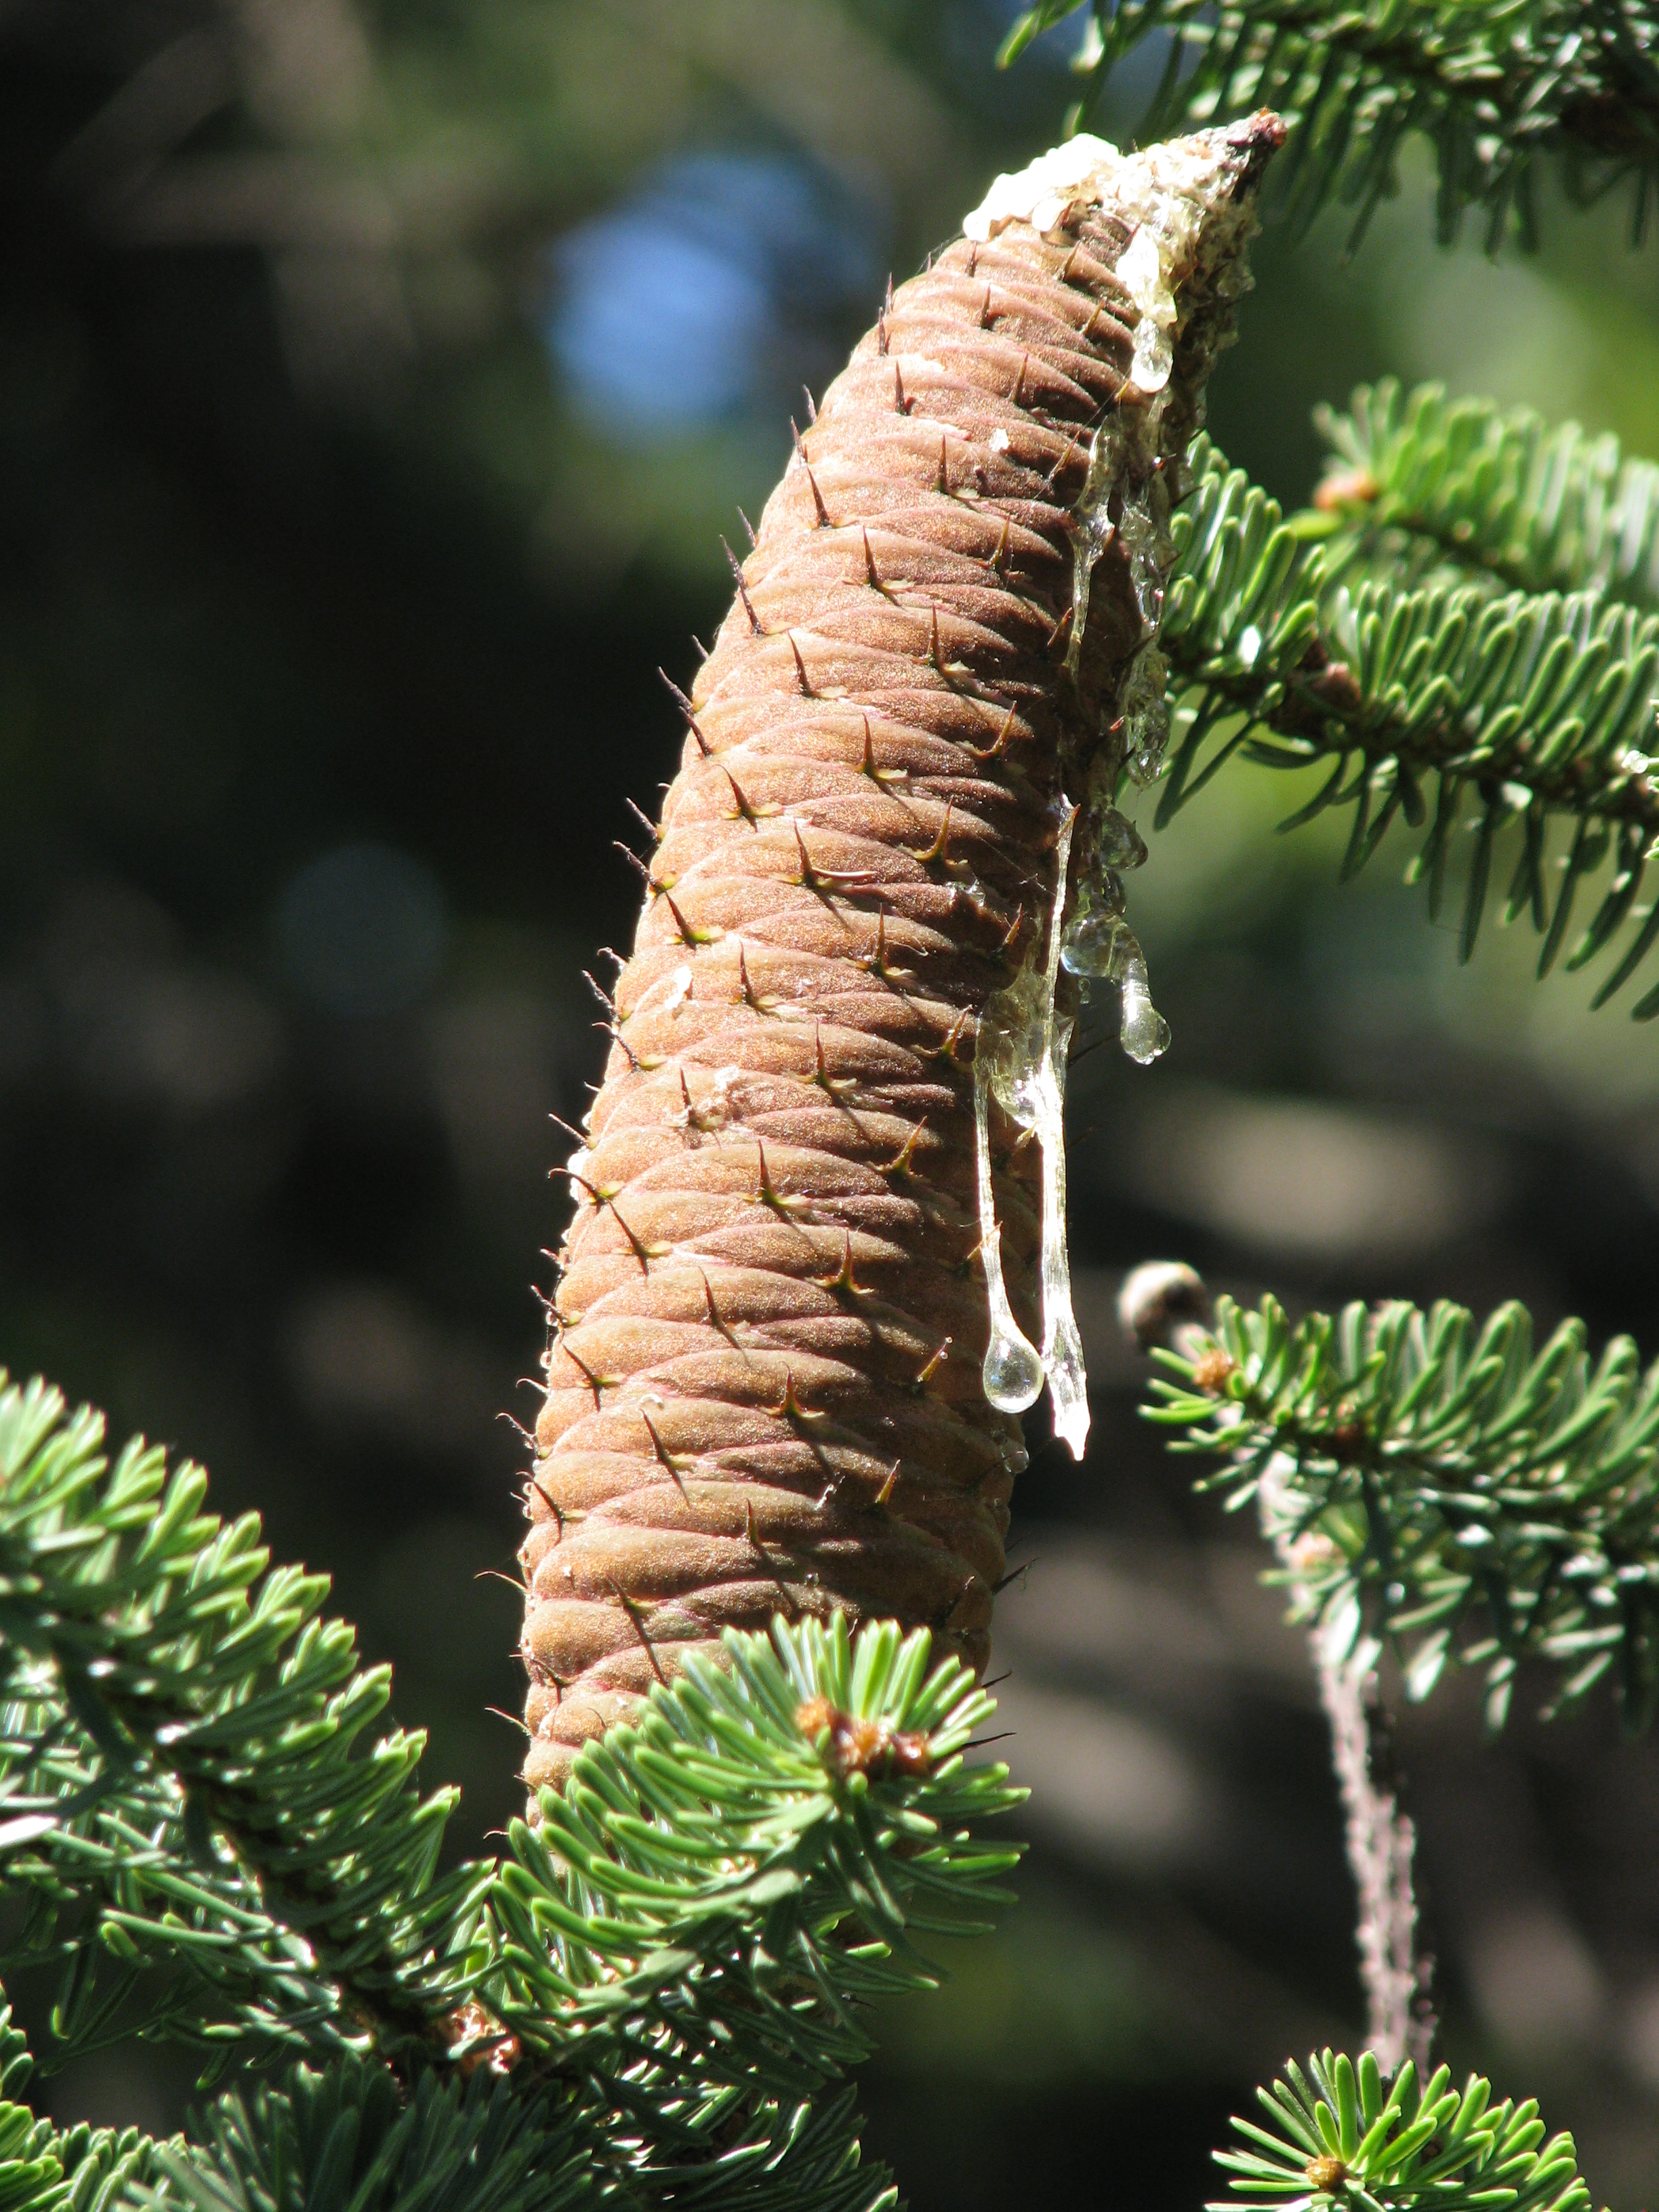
376 381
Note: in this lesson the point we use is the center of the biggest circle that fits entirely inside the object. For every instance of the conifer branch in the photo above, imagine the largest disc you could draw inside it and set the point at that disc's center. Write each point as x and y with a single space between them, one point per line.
1438 1484
1494 86
767 2155
351 2137
180 1758
1443 490
749 1863
77 2169
688 1937
1525 708
647 1995
348 2136
1340 2134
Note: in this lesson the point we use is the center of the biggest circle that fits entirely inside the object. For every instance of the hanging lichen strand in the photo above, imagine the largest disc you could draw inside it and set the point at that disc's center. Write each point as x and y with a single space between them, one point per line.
818 1263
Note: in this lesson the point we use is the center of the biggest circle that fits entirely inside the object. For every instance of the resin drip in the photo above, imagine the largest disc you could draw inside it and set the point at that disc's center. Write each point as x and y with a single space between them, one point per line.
1012 1372
1019 1061
1190 229
1190 218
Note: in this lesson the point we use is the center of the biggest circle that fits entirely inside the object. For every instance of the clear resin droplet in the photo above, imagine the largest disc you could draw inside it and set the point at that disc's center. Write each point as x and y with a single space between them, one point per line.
1145 715
1093 527
1062 1347
1092 946
1118 843
1145 1033
1012 1372
1020 1060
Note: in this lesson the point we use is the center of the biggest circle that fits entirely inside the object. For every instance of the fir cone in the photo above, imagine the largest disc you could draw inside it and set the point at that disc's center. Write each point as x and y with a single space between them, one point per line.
788 1286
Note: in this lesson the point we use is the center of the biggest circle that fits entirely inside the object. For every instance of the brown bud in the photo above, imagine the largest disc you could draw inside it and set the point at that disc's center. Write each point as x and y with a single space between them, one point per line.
1213 1371
476 2038
855 1745
1346 488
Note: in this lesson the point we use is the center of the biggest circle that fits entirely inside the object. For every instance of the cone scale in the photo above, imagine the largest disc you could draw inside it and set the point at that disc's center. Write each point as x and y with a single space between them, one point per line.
766 1387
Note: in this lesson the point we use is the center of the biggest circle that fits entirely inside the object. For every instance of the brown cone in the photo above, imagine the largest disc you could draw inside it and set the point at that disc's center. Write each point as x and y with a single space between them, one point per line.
763 1389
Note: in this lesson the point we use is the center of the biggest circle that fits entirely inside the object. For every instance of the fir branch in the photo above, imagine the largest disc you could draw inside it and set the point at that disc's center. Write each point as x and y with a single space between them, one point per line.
1448 490
1523 707
181 1755
669 1970
1497 85
768 2155
1339 2133
689 1935
80 2169
719 1888
1438 1484
347 2138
